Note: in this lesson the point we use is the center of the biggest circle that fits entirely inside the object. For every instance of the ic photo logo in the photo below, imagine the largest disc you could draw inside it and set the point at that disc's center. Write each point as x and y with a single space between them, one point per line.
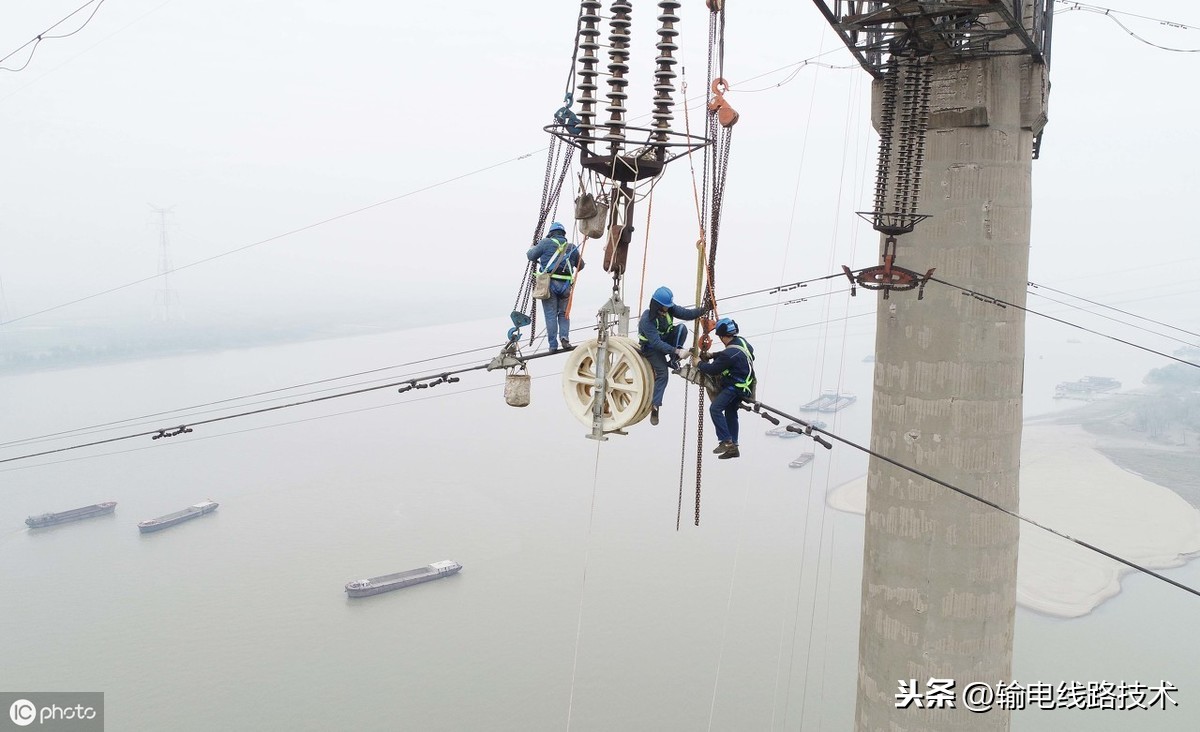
22 712
53 711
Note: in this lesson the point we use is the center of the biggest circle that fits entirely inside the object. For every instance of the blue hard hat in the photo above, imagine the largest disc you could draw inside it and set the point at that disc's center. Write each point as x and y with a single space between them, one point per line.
555 226
726 327
663 296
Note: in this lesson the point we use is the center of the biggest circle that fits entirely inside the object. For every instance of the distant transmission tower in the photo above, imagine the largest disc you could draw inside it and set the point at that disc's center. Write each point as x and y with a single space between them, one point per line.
4 316
166 299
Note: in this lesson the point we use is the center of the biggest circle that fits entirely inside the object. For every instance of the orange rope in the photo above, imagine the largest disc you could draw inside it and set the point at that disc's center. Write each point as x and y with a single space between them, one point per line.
571 297
645 252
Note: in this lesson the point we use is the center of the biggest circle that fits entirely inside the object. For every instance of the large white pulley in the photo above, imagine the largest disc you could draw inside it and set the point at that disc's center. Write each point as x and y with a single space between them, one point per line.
628 383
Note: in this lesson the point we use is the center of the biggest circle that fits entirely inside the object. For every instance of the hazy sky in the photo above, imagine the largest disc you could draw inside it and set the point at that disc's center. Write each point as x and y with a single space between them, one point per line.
250 120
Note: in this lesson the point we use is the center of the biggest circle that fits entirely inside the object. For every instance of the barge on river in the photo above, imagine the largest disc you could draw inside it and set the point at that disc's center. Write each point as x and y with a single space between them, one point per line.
171 519
389 582
75 514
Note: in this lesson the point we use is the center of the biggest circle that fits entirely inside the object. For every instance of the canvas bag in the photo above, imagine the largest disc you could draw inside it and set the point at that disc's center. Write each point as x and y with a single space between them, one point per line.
541 286
585 206
592 216
595 226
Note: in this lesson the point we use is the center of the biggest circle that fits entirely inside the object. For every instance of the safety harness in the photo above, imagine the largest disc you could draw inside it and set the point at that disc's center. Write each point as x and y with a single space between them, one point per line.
748 384
569 273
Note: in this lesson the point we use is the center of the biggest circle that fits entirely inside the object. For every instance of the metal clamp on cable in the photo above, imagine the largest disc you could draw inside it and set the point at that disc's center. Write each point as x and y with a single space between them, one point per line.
764 415
180 430
806 430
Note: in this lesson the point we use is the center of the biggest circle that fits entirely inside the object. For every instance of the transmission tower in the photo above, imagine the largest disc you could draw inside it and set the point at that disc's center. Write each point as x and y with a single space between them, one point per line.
166 299
970 77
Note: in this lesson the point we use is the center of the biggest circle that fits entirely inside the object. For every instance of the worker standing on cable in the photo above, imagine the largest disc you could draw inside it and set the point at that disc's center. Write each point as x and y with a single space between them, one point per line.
734 369
560 258
662 340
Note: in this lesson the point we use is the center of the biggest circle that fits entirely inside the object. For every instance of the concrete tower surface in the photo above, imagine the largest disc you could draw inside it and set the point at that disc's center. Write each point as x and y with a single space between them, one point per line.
939 569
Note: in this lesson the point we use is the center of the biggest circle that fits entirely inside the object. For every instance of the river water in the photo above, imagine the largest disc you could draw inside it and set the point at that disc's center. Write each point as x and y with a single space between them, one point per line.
580 605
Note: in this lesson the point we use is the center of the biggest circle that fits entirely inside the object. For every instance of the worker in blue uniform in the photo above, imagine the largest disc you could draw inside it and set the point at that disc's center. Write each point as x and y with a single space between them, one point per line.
561 258
662 340
733 368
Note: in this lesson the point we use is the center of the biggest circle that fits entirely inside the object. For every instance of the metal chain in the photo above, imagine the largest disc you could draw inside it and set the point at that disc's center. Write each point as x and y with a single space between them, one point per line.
699 449
714 191
557 166
682 460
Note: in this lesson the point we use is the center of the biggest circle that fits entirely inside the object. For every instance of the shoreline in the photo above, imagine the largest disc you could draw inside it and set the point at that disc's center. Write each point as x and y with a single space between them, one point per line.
1069 482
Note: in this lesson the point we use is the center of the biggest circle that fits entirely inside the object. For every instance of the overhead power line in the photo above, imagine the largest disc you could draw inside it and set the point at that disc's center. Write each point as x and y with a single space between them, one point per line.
1112 15
1037 286
37 40
759 406
993 300
450 376
271 238
183 413
346 214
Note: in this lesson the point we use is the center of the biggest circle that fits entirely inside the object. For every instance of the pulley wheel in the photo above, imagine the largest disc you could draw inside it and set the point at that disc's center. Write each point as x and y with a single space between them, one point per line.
628 383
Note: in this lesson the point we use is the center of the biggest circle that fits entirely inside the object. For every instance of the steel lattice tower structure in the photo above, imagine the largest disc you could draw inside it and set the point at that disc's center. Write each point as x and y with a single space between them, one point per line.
166 299
939 570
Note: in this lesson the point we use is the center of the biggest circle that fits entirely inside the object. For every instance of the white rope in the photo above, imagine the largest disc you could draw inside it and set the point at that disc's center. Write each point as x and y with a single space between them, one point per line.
728 604
583 585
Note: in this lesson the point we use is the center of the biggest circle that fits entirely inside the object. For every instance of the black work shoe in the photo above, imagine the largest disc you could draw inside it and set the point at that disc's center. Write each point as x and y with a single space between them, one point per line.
731 452
566 345
722 447
653 415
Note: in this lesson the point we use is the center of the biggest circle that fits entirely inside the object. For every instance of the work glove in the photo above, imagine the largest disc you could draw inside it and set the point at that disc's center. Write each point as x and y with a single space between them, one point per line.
705 356
683 353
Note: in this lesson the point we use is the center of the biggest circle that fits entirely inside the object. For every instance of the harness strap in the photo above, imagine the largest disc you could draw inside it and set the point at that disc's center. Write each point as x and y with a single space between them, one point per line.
743 385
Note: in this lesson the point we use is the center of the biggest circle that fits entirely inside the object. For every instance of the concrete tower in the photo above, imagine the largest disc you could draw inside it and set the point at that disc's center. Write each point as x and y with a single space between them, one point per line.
939 570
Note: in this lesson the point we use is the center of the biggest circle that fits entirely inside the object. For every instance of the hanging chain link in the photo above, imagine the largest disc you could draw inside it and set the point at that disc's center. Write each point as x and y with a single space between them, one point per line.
682 460
699 448
558 165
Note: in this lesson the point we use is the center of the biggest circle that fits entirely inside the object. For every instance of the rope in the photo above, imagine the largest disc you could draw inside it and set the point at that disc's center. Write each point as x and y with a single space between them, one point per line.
728 605
820 373
583 584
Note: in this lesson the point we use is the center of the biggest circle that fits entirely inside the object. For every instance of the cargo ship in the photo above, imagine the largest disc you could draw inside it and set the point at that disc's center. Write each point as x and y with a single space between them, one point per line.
171 519
389 582
1086 387
75 514
829 401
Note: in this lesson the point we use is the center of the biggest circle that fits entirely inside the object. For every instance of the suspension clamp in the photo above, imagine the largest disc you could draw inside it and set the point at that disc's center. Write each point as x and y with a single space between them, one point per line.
888 277
180 430
807 431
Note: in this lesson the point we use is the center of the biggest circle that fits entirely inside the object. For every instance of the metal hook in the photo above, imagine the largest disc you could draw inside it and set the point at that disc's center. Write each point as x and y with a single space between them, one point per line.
726 114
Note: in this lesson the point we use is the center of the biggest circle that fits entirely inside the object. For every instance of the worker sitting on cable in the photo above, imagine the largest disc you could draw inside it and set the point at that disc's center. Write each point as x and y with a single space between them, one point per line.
559 257
734 370
662 340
